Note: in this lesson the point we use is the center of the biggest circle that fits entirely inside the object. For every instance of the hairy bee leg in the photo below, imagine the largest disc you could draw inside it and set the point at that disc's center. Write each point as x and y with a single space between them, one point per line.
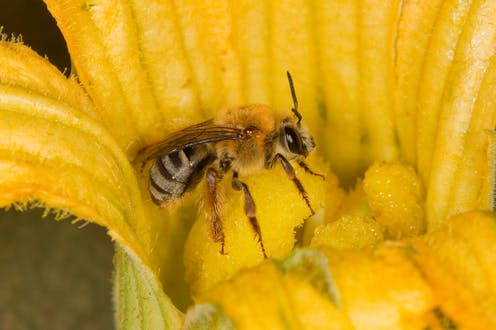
250 208
307 169
292 176
216 229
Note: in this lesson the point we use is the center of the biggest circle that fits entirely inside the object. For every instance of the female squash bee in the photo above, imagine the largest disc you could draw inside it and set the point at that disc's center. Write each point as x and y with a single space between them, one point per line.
244 140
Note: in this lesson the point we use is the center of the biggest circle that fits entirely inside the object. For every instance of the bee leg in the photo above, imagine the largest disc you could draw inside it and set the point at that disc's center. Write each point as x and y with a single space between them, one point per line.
292 176
213 200
307 169
250 209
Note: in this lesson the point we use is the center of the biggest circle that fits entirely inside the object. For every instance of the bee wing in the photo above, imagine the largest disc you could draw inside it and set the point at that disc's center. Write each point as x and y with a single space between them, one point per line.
205 132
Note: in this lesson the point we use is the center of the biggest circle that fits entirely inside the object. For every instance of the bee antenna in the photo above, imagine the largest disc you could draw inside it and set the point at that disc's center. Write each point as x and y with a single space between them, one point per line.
295 100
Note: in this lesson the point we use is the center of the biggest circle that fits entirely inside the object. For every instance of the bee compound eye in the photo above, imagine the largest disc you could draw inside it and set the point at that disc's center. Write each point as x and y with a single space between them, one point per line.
293 141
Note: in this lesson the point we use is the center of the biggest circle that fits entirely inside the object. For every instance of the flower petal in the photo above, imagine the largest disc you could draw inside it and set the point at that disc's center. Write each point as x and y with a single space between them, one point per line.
475 166
53 152
295 294
413 36
130 60
140 302
444 38
356 56
207 316
458 262
464 114
22 67
443 279
311 266
337 33
381 289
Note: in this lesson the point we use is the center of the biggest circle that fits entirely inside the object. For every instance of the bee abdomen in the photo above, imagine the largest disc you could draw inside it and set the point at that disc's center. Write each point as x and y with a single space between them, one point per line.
173 174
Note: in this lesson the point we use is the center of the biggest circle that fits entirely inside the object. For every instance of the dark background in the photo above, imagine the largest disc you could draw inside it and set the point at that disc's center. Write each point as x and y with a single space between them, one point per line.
53 275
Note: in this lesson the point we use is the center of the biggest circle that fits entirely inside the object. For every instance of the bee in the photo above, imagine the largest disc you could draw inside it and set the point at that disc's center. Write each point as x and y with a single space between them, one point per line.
243 140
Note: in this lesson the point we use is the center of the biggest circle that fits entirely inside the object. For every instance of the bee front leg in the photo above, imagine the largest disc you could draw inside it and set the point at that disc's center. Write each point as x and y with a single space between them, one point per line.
216 229
250 208
307 169
292 176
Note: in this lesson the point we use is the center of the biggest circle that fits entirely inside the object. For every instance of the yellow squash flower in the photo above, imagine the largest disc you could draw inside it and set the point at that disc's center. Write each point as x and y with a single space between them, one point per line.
400 93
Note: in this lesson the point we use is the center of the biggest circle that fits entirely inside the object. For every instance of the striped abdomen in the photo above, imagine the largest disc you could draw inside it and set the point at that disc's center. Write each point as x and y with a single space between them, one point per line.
178 172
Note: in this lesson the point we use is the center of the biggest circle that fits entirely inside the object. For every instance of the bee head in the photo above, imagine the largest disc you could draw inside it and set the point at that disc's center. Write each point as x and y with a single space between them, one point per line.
294 138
